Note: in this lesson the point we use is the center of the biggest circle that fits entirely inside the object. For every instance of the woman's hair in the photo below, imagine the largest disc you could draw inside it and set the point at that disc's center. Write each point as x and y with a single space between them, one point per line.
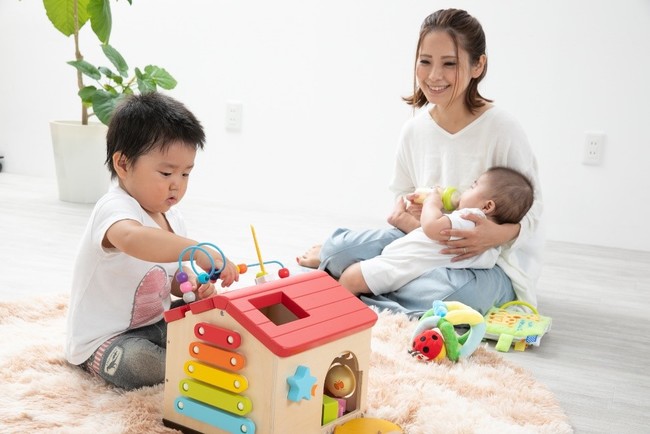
142 123
467 33
512 193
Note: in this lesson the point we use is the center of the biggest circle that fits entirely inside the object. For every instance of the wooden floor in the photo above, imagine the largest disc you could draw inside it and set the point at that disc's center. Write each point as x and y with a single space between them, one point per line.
595 359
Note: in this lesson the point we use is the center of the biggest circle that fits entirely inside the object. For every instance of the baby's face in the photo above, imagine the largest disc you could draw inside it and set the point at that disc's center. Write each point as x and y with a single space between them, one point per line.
477 195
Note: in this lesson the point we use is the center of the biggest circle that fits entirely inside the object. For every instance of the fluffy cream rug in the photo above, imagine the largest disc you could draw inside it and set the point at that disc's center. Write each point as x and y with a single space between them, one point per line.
40 392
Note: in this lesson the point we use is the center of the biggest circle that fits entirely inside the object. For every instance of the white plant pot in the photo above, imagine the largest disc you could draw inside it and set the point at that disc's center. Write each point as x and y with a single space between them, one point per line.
79 155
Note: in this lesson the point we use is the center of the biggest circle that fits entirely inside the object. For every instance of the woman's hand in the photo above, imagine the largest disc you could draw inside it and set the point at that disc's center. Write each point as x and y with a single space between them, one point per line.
485 235
413 208
402 218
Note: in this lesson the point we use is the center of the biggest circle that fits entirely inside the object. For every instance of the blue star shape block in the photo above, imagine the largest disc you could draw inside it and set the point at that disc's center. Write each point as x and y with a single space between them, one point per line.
300 384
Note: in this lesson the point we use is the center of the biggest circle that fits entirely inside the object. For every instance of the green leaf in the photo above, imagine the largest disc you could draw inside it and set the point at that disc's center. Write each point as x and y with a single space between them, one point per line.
160 76
101 19
116 59
86 68
86 94
146 85
61 14
110 89
106 71
103 105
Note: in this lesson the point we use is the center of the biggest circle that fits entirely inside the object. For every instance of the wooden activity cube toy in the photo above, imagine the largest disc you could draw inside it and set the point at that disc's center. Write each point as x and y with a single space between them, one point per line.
266 359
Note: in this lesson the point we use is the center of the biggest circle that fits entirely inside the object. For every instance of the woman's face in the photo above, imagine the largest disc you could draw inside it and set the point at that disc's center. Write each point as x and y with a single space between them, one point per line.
442 73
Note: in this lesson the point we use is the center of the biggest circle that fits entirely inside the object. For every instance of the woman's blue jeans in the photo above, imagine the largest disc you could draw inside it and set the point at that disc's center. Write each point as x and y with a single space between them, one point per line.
478 288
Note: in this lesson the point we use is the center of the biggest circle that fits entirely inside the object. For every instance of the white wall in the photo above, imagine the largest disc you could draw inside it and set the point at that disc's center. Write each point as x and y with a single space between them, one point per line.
321 84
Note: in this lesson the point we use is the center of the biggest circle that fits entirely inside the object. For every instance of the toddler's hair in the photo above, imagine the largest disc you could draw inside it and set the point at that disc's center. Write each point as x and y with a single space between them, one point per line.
512 193
141 123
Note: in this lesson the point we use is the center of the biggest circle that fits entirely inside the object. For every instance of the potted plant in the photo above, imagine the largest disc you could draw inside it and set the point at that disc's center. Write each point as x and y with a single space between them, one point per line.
80 146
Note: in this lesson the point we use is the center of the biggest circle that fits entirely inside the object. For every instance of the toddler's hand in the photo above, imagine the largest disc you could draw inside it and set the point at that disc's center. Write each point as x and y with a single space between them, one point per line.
204 291
229 274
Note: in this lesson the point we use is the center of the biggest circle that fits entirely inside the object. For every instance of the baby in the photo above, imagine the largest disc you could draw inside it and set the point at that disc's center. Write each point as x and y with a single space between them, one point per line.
500 194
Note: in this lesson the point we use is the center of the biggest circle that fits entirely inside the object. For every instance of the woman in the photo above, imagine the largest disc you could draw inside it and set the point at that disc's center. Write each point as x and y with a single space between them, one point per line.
455 137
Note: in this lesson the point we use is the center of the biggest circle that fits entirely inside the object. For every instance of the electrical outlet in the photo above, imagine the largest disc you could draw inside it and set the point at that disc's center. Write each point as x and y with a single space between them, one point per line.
593 148
234 115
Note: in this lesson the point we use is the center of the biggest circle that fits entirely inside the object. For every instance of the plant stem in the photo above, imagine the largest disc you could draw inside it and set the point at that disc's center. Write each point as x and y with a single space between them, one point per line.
79 56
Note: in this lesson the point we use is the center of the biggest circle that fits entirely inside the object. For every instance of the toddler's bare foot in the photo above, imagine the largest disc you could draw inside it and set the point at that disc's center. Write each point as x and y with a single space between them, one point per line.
311 258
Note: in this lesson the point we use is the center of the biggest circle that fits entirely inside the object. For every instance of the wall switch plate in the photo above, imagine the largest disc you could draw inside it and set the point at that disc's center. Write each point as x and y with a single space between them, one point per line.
593 148
234 115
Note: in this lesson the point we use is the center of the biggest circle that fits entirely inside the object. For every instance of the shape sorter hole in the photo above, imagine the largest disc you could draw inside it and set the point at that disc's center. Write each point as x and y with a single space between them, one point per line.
279 308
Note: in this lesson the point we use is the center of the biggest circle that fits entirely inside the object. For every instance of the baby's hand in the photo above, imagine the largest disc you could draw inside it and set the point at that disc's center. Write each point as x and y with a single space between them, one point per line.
434 199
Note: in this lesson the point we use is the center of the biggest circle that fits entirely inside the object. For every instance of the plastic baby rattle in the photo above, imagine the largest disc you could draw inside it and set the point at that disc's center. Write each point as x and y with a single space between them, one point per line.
435 336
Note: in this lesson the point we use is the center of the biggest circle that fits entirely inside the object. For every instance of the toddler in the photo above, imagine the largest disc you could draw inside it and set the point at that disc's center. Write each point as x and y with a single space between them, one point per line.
128 255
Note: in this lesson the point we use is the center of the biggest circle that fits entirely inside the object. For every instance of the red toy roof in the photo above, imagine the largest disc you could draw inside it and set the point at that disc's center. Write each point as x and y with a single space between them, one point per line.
290 315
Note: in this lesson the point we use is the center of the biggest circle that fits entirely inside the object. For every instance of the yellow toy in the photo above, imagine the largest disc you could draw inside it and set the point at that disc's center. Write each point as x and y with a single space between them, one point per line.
520 329
368 426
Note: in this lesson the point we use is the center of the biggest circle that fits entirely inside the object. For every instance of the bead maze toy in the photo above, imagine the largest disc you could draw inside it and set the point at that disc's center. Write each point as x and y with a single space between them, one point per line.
263 276
201 276
520 329
283 356
435 337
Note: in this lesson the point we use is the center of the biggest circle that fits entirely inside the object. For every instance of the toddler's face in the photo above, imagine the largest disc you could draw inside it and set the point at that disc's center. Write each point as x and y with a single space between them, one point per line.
158 180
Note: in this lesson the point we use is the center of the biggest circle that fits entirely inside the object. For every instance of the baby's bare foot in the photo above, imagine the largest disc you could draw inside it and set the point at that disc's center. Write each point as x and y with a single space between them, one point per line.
311 258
